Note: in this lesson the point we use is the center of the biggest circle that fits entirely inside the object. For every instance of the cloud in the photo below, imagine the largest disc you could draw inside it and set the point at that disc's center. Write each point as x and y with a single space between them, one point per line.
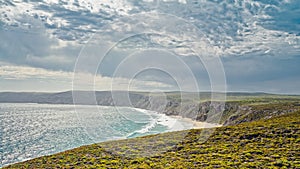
256 40
51 61
255 73
37 49
221 27
25 72
90 82
10 74
287 85
228 28
65 19
284 18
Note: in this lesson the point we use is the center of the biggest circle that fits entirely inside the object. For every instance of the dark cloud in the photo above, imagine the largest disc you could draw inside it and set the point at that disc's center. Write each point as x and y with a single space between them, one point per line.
263 74
37 50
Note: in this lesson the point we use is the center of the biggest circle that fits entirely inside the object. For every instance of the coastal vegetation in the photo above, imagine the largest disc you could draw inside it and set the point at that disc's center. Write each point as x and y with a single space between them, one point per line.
264 133
237 108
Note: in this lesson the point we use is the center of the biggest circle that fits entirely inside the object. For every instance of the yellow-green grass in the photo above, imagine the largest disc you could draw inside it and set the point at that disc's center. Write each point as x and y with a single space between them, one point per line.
259 110
272 143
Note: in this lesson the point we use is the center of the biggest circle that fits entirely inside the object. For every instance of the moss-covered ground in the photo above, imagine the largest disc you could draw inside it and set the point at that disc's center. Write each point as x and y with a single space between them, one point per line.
269 143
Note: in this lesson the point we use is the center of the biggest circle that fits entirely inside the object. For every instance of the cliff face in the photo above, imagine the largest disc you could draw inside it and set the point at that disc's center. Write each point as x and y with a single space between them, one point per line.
248 113
229 113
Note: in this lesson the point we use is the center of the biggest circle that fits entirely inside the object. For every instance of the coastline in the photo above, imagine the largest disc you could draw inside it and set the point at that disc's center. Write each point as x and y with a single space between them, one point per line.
169 136
146 151
173 123
196 124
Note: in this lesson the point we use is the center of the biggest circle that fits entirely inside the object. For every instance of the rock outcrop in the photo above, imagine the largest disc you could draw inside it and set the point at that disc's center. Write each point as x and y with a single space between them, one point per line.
229 113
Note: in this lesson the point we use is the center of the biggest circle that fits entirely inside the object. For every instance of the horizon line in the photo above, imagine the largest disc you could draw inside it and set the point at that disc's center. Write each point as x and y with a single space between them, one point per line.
145 91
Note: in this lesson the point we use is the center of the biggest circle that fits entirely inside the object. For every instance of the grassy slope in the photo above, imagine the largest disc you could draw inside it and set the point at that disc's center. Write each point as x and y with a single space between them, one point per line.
272 143
261 108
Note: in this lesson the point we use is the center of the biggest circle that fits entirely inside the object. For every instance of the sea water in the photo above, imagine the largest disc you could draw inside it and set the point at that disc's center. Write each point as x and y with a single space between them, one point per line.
32 130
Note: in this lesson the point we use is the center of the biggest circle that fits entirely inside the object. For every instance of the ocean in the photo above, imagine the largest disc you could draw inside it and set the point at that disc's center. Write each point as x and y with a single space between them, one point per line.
33 130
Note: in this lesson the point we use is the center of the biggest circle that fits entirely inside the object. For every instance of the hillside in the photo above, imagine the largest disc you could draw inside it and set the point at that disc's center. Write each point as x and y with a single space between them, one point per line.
263 144
239 107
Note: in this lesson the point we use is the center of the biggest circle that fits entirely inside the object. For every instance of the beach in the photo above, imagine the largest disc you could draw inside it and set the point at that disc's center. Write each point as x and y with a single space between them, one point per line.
197 124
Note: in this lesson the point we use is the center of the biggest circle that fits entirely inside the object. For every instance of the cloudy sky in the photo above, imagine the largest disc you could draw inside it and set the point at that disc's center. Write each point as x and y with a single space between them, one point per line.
232 45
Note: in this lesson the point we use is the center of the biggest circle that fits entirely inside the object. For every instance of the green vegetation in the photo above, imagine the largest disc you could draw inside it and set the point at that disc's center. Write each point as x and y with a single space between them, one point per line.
239 107
251 109
267 143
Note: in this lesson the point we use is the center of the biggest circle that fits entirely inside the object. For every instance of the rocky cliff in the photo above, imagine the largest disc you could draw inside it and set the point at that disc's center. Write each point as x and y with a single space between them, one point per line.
229 113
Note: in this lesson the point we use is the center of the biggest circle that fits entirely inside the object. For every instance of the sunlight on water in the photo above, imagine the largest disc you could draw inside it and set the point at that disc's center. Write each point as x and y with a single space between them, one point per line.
33 130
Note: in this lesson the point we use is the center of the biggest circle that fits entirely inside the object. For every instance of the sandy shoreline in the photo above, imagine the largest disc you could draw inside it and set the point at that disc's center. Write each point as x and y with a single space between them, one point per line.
197 124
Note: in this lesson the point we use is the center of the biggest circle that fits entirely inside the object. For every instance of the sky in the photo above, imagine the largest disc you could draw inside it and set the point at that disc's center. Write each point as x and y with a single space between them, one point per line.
150 45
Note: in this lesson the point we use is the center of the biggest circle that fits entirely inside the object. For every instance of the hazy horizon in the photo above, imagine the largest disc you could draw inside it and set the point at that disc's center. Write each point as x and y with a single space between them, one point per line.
227 92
